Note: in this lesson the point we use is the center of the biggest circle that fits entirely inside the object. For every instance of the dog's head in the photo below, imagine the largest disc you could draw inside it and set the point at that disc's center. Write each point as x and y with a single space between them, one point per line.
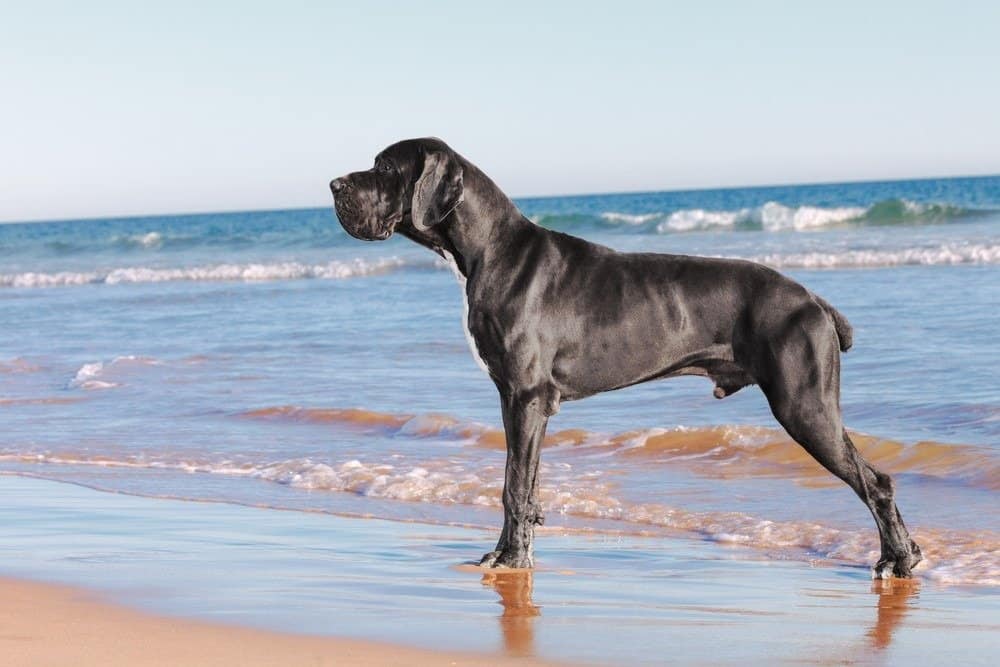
417 181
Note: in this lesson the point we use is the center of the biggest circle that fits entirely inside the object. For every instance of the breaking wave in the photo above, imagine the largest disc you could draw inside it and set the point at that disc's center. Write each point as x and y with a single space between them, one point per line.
951 556
334 270
948 254
96 375
147 240
770 217
714 451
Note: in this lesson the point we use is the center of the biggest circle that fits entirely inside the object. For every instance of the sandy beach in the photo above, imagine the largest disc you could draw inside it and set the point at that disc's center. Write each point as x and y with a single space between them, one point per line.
169 582
45 624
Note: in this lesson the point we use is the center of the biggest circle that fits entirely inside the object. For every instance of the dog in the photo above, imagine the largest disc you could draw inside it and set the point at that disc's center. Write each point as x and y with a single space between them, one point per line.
551 317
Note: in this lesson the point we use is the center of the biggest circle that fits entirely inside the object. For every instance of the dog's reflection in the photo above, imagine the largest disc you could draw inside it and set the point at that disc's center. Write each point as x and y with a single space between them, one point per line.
519 612
895 597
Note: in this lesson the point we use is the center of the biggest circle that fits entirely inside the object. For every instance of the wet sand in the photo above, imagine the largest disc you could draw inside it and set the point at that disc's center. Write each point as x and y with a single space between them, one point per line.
45 624
202 579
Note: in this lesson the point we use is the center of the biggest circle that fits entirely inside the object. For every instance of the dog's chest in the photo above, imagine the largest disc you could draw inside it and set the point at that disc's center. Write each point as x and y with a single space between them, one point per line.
465 312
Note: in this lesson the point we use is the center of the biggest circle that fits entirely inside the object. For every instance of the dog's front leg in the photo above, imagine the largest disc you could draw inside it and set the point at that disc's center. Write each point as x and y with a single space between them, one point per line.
524 420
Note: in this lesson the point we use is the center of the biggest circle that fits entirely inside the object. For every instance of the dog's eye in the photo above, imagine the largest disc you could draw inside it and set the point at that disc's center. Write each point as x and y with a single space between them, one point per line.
383 168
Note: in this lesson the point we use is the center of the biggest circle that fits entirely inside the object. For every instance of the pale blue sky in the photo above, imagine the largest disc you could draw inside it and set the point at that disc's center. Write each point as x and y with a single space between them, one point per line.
111 109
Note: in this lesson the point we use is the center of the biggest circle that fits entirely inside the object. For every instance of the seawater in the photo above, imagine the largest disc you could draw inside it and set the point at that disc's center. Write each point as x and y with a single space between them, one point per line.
265 357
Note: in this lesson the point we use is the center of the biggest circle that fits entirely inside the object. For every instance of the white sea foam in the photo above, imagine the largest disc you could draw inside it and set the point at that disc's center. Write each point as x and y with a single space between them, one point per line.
93 376
772 217
691 219
775 217
334 270
147 240
86 377
630 218
945 254
951 556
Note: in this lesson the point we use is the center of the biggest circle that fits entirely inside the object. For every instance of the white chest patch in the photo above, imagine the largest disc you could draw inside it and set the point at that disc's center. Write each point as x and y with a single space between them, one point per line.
465 312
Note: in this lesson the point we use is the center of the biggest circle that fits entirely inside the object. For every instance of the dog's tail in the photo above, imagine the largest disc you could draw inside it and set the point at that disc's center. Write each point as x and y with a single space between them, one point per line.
845 332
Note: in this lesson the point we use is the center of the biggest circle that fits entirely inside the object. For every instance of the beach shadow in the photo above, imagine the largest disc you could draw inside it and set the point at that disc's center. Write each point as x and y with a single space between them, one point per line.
517 622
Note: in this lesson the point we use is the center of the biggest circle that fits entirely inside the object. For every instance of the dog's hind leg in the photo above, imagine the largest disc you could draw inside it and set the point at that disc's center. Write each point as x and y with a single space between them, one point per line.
802 385
525 417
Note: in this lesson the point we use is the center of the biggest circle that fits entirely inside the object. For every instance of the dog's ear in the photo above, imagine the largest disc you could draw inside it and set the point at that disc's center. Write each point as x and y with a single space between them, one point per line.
438 190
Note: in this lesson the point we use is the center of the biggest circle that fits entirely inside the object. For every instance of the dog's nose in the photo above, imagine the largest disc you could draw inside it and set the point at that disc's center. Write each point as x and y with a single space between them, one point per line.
337 184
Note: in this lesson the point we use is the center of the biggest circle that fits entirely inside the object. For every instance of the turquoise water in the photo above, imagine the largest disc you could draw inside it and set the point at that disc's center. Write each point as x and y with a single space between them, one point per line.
265 357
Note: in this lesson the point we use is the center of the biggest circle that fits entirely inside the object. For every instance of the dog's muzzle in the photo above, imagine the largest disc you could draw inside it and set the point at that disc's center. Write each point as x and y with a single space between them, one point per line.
355 220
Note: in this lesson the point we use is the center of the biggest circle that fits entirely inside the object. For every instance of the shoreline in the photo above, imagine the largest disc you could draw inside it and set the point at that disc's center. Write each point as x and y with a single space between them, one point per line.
184 575
54 624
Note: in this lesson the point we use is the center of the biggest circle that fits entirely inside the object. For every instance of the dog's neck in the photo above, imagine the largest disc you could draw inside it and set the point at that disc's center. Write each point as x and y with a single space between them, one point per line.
469 232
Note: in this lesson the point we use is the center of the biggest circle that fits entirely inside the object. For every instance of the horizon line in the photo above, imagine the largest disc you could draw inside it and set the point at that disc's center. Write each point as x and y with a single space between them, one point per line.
130 216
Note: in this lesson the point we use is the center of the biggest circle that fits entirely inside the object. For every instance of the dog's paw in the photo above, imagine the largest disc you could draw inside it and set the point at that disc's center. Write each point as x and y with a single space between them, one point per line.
489 559
883 569
886 568
506 559
900 567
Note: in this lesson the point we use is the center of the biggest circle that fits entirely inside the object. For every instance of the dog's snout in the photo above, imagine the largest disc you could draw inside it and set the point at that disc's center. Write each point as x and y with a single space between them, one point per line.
337 185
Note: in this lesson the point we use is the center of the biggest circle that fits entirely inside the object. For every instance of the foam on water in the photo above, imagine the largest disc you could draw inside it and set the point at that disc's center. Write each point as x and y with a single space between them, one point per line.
334 270
948 254
712 451
86 377
698 218
927 254
951 556
774 216
771 217
93 375
630 218
147 240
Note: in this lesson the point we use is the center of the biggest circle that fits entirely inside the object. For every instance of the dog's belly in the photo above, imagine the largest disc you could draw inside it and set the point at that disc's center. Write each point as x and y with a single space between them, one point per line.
591 370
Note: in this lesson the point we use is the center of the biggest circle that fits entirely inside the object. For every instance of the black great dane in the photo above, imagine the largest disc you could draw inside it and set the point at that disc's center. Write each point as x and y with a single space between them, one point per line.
554 318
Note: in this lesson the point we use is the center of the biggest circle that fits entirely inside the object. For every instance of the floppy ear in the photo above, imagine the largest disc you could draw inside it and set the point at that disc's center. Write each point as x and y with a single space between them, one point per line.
438 190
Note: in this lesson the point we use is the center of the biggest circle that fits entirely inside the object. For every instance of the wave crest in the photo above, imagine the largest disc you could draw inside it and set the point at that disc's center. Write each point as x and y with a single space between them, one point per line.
948 254
94 375
334 270
147 240
776 217
712 451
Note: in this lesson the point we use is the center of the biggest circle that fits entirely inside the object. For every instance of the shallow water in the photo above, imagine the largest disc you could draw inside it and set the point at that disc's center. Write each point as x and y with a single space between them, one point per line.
613 599
267 358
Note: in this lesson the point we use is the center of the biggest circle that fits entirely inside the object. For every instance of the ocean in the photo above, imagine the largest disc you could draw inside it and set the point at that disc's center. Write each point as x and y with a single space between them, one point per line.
266 358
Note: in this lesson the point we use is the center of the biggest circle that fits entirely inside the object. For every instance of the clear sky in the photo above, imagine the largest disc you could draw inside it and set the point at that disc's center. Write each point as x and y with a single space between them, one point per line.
112 108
